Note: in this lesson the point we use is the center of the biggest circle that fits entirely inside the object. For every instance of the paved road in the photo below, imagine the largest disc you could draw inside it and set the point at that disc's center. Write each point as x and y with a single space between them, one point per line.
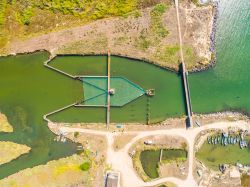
121 161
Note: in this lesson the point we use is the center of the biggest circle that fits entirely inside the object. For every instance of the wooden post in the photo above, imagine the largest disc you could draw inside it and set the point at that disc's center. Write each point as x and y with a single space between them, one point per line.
108 95
161 155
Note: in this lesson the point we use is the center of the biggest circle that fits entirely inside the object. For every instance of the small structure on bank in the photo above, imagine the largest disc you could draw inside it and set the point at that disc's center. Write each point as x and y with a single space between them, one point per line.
112 179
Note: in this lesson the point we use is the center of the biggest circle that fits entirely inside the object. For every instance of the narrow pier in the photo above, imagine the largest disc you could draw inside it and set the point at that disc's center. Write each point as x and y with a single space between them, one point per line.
108 95
45 117
187 96
57 70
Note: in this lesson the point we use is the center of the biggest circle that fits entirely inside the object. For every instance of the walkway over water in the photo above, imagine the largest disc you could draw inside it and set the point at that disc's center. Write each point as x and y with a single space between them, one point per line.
184 72
187 96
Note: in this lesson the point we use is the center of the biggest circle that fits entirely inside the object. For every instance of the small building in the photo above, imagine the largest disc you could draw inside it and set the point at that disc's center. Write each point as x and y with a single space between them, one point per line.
112 179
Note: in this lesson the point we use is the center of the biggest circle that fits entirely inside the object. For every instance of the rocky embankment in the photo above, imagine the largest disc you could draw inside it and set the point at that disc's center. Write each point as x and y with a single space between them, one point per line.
212 42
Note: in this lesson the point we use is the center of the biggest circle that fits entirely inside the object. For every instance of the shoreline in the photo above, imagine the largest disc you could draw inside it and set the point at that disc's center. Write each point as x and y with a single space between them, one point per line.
170 123
213 60
55 50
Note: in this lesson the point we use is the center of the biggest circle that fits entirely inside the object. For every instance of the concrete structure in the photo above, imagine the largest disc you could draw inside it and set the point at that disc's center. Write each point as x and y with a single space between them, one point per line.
112 179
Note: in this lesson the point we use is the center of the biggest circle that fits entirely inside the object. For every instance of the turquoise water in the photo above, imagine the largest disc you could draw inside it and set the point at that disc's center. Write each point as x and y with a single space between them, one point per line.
227 85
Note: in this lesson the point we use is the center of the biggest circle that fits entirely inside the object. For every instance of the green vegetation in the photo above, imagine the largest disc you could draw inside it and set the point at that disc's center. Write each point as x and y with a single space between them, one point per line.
245 180
143 42
169 155
168 53
213 155
85 166
190 58
3 4
99 43
76 134
150 159
25 18
156 20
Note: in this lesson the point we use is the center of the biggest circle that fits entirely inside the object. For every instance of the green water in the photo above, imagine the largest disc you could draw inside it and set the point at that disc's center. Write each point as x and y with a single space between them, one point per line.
149 160
28 91
167 102
227 86
211 155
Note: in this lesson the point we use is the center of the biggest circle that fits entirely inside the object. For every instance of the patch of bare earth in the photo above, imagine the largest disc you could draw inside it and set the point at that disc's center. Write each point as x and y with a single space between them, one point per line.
4 124
10 151
134 37
173 169
121 140
166 124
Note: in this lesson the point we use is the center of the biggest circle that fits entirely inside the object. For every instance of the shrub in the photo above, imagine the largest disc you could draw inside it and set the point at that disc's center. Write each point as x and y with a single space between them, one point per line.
76 134
156 20
85 166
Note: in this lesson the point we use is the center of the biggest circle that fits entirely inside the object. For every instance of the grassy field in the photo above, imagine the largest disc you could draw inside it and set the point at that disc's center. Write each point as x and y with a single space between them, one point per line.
169 155
25 18
213 155
150 159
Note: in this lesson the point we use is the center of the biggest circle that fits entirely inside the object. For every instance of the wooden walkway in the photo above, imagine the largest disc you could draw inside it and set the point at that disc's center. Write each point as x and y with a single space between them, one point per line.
187 96
45 117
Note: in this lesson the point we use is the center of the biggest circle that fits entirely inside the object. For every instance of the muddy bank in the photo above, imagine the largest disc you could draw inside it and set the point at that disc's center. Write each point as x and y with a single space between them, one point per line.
4 124
10 151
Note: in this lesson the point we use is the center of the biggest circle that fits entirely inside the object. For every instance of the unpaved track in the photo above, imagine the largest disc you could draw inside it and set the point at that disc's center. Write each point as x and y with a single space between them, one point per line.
122 162
179 29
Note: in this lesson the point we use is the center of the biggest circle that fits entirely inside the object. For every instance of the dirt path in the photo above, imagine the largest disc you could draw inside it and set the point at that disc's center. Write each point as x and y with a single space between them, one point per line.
179 29
121 161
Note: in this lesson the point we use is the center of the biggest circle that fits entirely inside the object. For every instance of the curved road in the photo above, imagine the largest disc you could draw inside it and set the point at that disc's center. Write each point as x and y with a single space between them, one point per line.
122 162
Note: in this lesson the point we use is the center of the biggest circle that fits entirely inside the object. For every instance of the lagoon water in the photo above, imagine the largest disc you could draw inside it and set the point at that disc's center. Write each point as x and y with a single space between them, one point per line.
227 85
28 90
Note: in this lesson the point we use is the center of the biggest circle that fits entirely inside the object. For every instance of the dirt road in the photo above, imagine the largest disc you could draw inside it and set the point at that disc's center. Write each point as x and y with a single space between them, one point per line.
122 162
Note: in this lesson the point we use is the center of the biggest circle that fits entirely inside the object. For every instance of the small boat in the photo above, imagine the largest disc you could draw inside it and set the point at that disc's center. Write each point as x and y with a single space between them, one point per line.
225 141
218 139
209 140
231 140
241 144
234 140
237 138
